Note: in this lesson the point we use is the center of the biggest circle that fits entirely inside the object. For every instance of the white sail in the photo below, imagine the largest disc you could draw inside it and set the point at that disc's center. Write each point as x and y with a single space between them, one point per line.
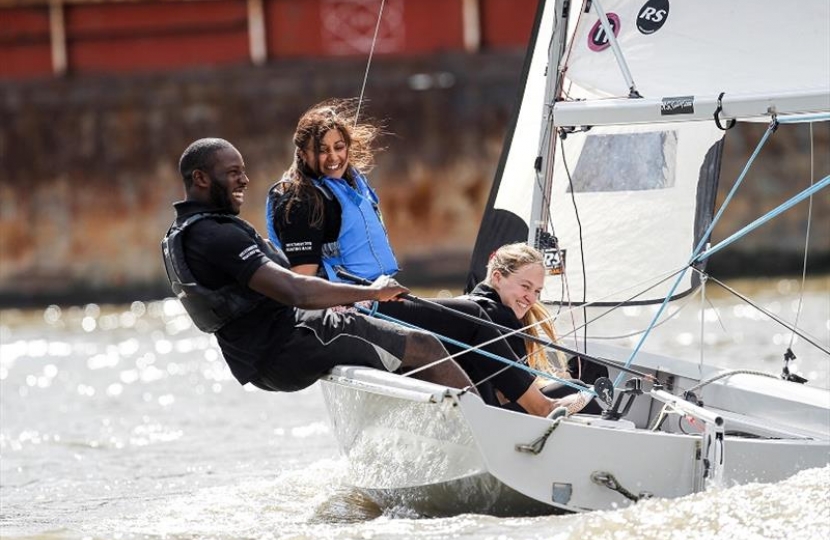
631 219
632 200
705 47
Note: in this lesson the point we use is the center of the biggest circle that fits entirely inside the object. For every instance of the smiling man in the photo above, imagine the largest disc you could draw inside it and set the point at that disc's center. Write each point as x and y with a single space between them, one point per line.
271 323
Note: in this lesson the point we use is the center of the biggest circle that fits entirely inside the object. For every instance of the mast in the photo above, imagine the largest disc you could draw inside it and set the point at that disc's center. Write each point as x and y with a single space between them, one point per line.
540 209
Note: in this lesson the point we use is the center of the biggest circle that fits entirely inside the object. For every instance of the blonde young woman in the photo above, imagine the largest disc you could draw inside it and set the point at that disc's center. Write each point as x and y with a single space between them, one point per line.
510 297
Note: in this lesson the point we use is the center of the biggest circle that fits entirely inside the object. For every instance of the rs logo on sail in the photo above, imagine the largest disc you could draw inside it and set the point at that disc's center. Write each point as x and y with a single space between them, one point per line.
652 16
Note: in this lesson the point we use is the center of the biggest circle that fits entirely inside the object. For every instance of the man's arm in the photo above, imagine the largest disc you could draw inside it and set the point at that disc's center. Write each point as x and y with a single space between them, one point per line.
307 292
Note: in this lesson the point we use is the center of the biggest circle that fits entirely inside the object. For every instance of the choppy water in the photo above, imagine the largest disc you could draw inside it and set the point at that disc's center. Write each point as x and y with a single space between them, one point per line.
123 422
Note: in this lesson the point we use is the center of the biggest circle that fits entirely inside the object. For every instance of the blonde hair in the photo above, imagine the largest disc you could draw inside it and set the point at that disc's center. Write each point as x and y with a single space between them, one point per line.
507 260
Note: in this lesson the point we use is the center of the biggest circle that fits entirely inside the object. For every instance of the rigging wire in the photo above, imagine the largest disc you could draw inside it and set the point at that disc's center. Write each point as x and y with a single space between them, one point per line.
660 280
567 294
702 326
468 348
667 318
581 243
613 308
723 375
369 62
780 209
806 238
806 337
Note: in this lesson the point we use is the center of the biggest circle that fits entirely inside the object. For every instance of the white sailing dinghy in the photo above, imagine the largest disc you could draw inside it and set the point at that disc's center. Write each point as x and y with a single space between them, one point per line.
613 159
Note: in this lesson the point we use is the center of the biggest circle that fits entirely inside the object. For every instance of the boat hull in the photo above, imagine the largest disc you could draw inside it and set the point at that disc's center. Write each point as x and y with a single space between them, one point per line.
409 446
440 452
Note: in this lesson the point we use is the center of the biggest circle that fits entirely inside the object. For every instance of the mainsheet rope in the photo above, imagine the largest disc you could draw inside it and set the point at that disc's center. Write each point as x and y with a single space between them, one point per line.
466 348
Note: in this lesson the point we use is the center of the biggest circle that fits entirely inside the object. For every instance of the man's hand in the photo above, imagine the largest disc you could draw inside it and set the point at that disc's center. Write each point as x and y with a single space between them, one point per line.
388 289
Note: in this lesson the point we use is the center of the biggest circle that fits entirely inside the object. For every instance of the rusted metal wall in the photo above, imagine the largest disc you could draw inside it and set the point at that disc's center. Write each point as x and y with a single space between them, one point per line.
88 170
128 37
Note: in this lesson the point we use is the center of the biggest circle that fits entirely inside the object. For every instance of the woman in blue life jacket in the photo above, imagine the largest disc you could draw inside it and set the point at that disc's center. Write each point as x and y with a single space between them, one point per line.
510 296
324 215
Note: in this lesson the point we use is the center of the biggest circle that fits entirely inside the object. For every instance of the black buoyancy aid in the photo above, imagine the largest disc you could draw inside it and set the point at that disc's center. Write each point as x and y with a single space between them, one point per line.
210 309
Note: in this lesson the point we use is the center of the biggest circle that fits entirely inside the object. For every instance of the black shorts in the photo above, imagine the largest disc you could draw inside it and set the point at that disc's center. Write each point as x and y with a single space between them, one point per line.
322 339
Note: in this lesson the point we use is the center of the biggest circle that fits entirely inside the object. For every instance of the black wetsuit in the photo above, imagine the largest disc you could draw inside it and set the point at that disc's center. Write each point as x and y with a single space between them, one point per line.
490 301
494 373
274 346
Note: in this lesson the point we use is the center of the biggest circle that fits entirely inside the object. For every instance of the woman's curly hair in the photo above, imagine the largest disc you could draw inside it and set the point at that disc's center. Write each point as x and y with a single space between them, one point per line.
339 114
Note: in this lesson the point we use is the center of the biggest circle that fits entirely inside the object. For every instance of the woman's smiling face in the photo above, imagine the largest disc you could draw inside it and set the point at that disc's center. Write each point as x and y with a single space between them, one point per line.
331 158
519 290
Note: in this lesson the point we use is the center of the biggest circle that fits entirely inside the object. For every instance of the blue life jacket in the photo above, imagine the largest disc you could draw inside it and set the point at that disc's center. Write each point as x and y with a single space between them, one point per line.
270 212
362 247
210 309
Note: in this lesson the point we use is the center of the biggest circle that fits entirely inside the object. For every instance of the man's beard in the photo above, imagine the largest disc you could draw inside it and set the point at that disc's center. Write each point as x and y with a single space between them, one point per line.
219 197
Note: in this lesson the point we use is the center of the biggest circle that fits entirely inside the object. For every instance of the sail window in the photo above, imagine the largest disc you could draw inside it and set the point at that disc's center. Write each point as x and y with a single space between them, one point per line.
605 162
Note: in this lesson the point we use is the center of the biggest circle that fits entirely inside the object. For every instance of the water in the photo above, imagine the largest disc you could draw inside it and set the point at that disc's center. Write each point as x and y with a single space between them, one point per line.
123 422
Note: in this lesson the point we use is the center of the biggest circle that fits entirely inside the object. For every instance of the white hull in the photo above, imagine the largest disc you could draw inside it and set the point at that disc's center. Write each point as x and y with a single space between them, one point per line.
442 452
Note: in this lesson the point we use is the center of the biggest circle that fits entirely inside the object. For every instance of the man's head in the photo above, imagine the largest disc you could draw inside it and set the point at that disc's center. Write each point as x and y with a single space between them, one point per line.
213 172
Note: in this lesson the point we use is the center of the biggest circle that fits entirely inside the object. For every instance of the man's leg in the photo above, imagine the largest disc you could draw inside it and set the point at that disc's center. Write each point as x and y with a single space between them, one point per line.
324 339
423 349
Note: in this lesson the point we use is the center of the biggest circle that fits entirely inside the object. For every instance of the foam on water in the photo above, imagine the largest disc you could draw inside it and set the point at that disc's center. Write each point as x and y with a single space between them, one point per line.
798 507
313 503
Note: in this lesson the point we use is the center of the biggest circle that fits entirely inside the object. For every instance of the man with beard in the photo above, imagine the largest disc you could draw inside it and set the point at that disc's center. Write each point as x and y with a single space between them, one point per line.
271 323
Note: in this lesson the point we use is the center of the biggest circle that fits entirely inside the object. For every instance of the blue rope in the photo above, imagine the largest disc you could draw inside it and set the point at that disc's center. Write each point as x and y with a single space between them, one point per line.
469 348
696 251
766 217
